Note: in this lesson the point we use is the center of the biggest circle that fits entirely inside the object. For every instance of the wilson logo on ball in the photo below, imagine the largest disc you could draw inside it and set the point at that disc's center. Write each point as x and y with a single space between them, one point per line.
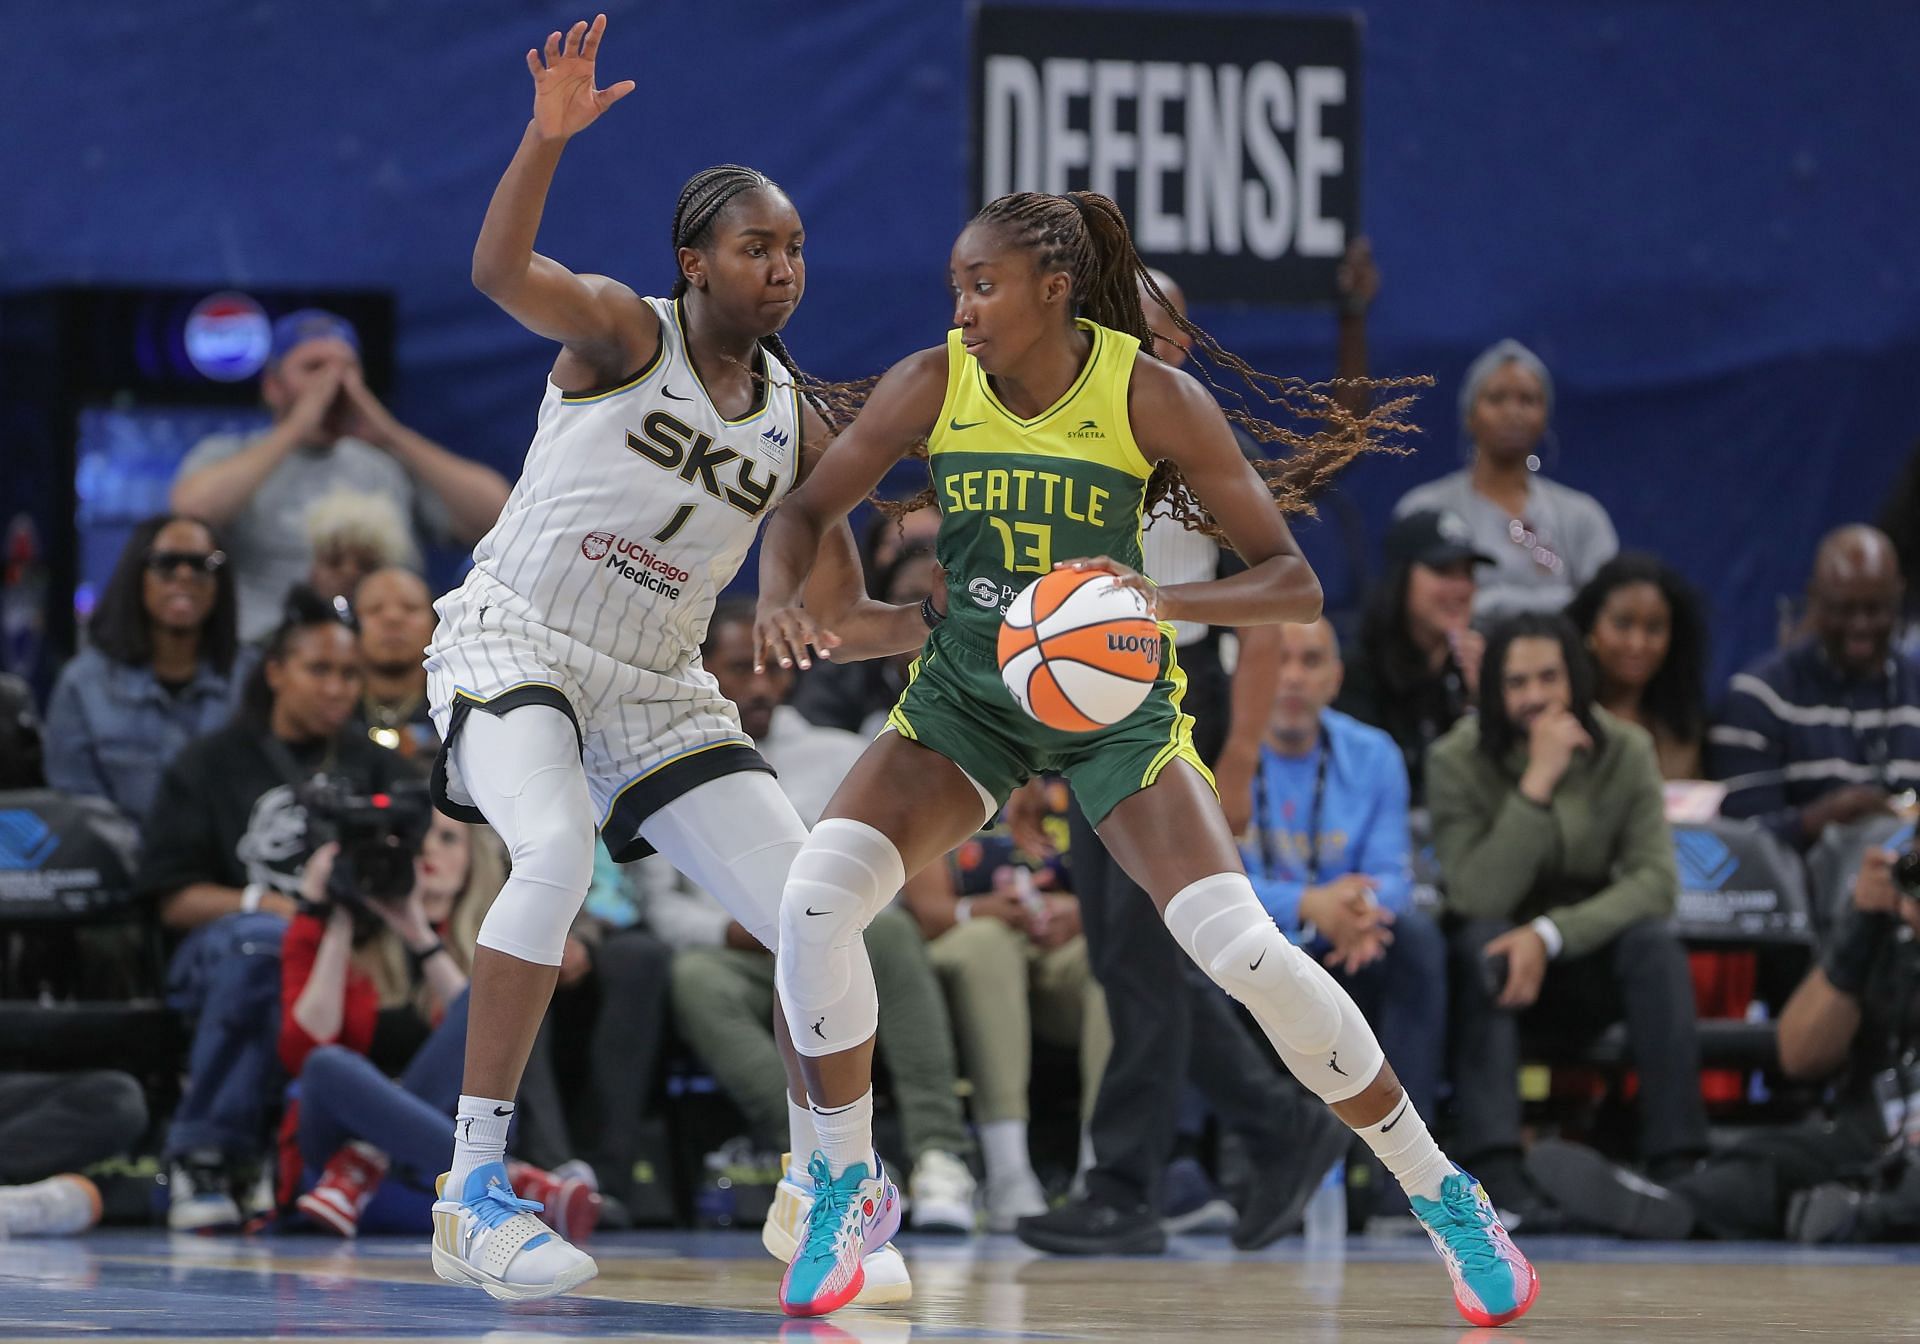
1078 650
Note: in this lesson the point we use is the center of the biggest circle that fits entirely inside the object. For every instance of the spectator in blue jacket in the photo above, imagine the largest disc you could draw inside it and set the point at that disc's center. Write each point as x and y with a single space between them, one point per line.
160 670
1330 858
1826 731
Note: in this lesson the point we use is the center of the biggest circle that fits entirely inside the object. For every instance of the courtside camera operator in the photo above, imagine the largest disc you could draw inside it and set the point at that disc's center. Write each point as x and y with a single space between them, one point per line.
1850 1173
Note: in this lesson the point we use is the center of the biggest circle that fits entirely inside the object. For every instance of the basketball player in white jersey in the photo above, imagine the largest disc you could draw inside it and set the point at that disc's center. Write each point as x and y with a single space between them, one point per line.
565 676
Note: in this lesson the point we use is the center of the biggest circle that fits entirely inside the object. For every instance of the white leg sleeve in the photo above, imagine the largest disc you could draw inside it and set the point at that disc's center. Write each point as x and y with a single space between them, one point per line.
845 874
1313 1023
523 770
735 837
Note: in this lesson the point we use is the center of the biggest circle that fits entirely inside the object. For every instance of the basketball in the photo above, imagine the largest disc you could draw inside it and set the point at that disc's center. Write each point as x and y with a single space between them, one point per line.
1078 650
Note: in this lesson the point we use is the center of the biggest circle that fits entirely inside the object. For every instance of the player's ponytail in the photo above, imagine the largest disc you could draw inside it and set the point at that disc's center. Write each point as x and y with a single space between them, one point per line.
1085 234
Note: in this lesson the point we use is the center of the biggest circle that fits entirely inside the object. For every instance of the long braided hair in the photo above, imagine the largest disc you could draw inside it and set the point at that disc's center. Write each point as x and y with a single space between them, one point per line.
1084 234
705 196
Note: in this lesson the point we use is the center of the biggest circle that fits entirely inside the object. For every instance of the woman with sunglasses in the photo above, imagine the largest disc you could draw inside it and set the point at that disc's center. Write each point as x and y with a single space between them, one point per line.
159 670
1546 539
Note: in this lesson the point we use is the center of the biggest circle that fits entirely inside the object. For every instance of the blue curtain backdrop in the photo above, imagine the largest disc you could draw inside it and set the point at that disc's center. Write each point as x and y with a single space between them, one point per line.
1702 215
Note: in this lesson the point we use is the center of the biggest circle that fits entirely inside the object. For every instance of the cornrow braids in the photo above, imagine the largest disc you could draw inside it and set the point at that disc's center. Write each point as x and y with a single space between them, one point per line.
702 199
1085 234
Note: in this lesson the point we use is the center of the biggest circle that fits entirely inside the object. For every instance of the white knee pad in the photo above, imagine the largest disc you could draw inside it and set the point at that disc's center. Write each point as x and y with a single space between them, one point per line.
523 769
737 838
843 876
1312 1022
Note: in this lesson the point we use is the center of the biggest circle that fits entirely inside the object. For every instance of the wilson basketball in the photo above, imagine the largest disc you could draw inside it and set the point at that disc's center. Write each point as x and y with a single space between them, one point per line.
1078 650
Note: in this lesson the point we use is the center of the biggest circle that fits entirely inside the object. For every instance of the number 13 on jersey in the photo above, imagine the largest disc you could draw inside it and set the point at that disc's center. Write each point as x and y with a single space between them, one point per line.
1029 546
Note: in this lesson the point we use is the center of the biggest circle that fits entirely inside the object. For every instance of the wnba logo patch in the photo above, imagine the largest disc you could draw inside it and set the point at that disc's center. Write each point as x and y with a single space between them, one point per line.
597 544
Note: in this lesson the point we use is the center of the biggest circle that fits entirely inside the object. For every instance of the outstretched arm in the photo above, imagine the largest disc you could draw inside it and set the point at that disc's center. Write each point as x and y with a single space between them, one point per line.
1175 419
899 414
836 591
603 324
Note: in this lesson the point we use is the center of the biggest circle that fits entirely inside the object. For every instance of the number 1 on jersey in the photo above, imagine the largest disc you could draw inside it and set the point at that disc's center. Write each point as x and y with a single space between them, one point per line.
1029 546
675 523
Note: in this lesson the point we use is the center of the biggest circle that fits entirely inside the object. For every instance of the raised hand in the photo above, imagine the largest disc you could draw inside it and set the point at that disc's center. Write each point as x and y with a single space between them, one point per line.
565 101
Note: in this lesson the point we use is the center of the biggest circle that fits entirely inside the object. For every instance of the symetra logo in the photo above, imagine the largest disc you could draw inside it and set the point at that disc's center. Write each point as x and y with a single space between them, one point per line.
635 563
1088 430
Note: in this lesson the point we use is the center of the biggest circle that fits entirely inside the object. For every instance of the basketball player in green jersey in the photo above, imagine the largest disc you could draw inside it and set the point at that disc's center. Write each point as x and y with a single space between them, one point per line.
1050 433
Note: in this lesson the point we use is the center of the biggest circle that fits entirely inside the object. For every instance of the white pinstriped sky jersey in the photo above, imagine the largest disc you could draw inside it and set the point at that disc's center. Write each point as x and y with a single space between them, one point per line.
636 506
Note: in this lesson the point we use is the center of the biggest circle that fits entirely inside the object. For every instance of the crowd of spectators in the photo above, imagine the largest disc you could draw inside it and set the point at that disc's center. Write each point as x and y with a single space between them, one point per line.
1459 795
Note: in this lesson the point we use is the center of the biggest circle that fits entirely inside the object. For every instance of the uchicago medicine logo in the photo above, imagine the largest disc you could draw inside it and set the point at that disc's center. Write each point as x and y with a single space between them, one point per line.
635 563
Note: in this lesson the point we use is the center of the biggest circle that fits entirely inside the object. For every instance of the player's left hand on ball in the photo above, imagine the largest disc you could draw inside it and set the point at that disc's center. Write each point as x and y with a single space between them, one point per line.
1129 578
785 635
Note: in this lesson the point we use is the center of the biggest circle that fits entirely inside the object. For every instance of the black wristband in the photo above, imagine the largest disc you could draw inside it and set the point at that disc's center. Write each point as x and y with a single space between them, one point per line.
420 959
929 614
1857 939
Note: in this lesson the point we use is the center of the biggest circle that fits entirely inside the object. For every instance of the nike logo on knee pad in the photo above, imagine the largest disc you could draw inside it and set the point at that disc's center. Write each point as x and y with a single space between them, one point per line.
812 911
816 1029
1334 1064
1257 960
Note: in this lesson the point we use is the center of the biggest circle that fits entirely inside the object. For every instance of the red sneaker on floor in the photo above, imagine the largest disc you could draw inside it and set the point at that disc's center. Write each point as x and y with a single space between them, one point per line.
571 1206
340 1196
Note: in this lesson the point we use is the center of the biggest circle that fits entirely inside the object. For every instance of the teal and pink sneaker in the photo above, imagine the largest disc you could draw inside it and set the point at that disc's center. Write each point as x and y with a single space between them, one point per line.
851 1217
1492 1281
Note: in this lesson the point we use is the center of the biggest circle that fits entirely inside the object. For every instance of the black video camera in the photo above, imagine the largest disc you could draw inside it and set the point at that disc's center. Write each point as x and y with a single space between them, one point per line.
1906 873
380 835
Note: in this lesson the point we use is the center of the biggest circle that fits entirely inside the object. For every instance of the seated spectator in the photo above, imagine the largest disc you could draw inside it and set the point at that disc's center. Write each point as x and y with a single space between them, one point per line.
1826 731
1560 875
328 430
353 534
723 979
160 669
52 1125
22 736
1545 539
373 1023
1331 860
1648 640
1012 958
1851 1173
1900 520
1417 669
395 612
226 842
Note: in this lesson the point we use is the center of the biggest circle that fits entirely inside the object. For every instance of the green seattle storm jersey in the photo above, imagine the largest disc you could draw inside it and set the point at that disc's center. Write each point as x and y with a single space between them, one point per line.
1018 495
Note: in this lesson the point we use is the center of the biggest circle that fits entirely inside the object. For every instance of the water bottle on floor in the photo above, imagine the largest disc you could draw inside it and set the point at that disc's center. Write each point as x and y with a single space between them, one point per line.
1326 1223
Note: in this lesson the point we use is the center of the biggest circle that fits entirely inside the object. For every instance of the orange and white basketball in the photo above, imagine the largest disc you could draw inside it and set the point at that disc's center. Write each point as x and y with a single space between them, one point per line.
1078 650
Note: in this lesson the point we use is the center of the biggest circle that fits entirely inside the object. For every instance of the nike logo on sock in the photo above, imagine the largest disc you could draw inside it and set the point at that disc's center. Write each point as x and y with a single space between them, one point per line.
1404 1103
503 1110
1257 960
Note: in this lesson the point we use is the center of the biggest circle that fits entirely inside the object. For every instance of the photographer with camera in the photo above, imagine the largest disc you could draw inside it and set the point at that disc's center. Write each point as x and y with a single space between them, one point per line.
373 1024
226 842
1849 1174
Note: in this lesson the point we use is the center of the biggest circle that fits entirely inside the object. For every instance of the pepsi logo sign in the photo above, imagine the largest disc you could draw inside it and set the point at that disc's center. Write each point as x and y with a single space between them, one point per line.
228 337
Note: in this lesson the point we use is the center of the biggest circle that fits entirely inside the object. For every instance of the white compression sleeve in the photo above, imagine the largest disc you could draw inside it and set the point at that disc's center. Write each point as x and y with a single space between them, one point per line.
736 838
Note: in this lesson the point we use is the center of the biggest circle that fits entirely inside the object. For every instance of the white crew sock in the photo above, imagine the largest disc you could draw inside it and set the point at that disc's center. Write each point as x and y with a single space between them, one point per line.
479 1137
845 1134
802 1142
1406 1148
1003 1146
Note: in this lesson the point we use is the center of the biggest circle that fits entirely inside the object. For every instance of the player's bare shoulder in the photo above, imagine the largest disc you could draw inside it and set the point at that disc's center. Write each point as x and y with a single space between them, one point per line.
1165 405
628 337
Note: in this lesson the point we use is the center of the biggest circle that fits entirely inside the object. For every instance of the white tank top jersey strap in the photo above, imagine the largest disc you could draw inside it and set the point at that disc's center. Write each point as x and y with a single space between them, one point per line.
636 506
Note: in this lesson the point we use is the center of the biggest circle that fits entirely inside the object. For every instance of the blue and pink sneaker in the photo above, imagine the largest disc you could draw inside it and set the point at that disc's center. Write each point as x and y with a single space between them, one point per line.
1492 1281
851 1217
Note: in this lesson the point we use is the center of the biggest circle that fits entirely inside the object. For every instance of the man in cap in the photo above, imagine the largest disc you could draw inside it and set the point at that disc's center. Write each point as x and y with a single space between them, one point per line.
328 431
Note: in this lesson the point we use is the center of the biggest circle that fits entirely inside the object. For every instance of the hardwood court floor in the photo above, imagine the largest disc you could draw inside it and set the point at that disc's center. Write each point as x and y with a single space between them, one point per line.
685 1286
